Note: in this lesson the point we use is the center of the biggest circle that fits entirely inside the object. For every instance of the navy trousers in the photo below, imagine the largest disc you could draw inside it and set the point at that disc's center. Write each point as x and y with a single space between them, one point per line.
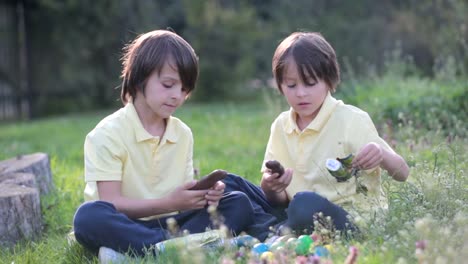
298 216
98 224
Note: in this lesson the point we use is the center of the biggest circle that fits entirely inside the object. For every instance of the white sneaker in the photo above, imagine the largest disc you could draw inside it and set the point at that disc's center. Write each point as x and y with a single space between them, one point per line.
110 256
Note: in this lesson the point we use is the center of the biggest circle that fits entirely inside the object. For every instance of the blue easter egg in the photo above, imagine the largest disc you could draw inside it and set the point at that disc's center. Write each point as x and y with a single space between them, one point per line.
321 251
259 248
245 241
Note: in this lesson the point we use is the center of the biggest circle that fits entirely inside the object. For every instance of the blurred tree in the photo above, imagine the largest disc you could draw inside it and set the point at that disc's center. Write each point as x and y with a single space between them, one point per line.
75 46
225 35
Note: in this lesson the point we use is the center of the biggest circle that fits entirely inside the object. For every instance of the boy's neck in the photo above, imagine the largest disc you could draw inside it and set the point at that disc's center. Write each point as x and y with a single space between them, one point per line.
301 124
153 124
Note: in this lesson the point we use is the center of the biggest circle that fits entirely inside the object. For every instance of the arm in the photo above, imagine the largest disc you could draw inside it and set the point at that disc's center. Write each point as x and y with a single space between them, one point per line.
273 184
395 165
180 199
373 155
374 151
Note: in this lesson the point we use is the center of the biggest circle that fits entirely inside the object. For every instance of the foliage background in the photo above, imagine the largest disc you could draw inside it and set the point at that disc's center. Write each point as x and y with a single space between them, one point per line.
75 46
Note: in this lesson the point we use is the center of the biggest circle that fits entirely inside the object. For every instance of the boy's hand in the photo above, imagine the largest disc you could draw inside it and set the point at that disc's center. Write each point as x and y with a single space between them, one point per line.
370 156
184 199
215 193
273 182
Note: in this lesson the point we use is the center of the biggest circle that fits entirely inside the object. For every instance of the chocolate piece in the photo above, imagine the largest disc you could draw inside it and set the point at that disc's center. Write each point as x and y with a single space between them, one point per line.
275 167
209 180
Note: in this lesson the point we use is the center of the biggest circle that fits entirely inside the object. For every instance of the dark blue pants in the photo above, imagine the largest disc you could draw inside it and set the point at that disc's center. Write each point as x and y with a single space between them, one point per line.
99 224
299 216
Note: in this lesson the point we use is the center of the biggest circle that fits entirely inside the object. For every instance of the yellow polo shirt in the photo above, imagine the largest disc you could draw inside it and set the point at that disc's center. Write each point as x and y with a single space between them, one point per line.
120 149
337 131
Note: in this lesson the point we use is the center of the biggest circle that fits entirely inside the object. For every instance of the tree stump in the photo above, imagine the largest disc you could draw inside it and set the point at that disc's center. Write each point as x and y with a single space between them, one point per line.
22 180
37 164
20 213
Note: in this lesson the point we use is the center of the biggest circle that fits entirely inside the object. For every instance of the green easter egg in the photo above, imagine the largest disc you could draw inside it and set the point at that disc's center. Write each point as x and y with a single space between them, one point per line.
302 248
306 239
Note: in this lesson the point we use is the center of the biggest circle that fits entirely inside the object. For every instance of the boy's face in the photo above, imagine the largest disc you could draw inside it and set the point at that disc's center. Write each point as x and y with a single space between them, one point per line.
164 93
305 98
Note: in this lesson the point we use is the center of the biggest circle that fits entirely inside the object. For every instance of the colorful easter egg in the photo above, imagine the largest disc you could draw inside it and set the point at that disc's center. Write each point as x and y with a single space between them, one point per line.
321 251
267 256
259 248
276 245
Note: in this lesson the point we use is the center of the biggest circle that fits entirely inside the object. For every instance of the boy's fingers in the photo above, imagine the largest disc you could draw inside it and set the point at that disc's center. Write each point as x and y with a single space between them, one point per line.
219 185
268 177
189 185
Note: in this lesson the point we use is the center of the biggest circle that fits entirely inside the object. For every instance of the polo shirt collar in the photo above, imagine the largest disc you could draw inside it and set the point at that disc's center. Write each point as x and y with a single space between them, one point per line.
319 121
141 134
171 134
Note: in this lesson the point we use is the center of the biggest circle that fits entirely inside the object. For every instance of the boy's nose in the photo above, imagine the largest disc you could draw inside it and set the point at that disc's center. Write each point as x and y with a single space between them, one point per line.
300 91
177 93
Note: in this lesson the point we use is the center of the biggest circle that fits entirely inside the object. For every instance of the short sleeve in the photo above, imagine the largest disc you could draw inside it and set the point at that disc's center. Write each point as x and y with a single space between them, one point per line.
274 144
364 132
189 163
104 157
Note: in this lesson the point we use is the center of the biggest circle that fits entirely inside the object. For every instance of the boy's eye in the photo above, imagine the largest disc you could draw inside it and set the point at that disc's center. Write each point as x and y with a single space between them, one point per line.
291 85
168 85
310 82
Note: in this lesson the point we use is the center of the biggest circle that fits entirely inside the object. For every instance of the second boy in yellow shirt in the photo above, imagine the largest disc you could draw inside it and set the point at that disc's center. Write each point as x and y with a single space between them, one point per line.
316 128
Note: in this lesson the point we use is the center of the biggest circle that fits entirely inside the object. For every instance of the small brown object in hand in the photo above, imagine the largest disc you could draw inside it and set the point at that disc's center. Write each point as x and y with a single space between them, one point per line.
275 167
209 180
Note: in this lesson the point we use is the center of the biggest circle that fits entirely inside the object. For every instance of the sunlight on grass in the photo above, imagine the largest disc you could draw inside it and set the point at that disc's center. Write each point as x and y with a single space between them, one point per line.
432 206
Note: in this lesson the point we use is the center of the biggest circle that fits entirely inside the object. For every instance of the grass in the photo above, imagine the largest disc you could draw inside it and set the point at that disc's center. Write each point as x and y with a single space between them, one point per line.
431 206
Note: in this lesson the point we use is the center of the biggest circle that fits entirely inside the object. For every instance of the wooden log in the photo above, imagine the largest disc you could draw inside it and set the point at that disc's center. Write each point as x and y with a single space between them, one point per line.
37 164
20 213
21 179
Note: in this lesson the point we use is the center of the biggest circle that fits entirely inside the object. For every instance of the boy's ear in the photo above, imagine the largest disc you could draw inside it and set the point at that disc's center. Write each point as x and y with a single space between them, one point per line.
141 87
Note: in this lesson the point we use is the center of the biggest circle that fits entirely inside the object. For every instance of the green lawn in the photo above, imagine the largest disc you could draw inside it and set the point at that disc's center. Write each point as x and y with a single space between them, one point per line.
431 206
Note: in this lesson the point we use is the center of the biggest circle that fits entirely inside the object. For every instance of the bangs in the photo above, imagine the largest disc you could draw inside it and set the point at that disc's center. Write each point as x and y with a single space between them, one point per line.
151 58
148 53
313 56
186 63
307 61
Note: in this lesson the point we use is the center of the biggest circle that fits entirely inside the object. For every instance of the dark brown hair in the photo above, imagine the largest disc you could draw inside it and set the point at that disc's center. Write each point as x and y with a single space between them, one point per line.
148 53
313 55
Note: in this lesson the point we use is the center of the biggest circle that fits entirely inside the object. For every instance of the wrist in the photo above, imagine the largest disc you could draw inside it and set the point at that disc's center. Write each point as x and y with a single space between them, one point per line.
278 198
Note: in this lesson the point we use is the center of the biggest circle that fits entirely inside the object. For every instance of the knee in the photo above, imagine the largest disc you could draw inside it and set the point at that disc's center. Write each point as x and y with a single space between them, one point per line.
231 179
232 183
307 200
90 216
308 196
306 204
237 211
239 200
232 176
236 204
